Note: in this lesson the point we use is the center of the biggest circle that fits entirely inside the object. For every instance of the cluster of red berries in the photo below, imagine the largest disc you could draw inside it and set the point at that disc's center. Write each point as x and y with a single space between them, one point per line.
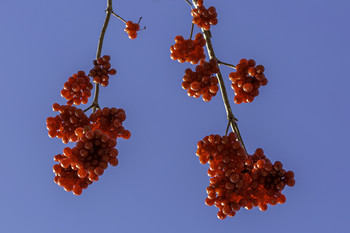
240 181
63 125
86 161
246 80
131 29
95 136
201 82
188 50
68 178
101 71
77 89
204 17
95 139
110 122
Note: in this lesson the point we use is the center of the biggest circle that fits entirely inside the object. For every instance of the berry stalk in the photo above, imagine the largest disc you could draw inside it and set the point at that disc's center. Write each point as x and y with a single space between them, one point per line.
231 118
109 11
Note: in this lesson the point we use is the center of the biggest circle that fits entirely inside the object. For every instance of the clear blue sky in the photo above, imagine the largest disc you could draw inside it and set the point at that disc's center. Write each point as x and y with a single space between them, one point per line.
300 118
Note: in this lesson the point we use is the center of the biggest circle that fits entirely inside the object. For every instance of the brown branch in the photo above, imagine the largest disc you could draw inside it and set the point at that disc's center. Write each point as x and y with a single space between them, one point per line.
231 118
189 3
191 30
226 64
109 11
119 17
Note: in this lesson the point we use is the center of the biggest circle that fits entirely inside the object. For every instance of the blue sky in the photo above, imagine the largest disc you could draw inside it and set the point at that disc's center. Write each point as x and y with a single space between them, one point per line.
300 118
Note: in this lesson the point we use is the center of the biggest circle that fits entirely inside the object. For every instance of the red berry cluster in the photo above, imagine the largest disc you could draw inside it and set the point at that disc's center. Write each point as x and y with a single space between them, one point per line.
188 50
131 29
109 121
95 136
204 17
87 160
77 89
201 82
101 71
246 80
267 180
95 141
240 181
63 125
68 178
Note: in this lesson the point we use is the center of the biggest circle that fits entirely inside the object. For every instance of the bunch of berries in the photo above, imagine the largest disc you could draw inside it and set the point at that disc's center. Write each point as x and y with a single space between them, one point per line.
68 178
188 50
267 180
246 80
204 17
240 181
87 160
131 29
201 82
109 121
95 136
77 89
101 71
95 141
63 125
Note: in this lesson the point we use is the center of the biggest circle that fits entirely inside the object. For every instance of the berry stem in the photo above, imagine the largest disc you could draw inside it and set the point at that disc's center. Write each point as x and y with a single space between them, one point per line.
226 64
191 31
109 11
118 17
189 2
227 127
231 118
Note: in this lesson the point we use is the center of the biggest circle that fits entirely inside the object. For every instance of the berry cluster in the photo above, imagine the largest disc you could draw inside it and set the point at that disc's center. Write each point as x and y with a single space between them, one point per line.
188 50
87 160
109 121
95 141
77 89
204 17
131 29
240 181
246 80
95 136
101 71
67 177
201 82
63 125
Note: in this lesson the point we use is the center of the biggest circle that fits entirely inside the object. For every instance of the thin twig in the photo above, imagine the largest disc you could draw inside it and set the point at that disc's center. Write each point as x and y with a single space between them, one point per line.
91 106
119 17
226 64
189 3
109 11
191 30
228 126
231 118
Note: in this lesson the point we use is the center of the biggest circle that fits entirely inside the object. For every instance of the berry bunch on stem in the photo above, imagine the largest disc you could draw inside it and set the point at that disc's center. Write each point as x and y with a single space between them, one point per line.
201 82
247 80
95 136
188 50
238 180
77 89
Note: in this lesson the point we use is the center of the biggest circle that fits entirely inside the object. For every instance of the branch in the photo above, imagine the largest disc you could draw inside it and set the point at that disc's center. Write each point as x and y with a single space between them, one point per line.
191 30
231 118
109 11
226 64
119 17
189 3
